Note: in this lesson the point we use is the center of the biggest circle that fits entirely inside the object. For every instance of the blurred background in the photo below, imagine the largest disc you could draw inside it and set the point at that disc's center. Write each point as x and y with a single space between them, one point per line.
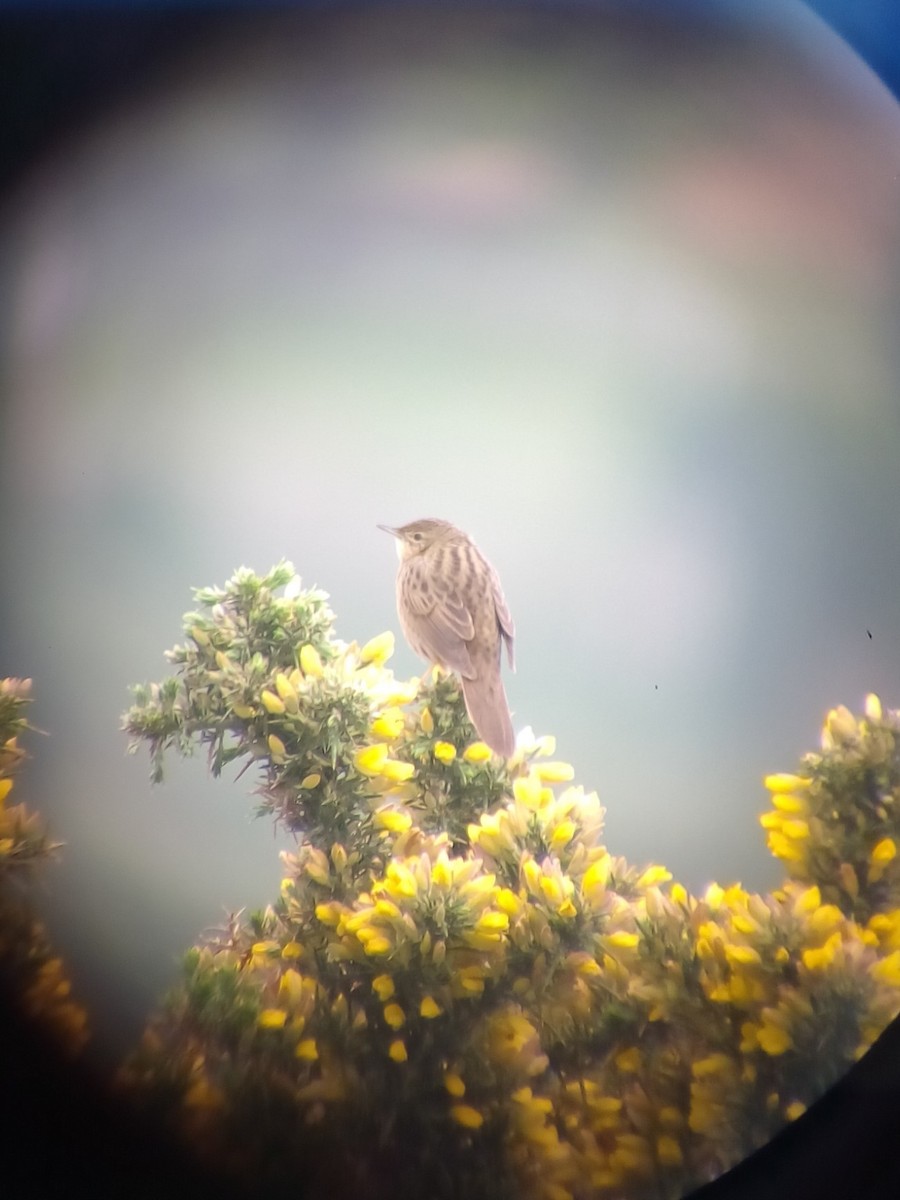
612 287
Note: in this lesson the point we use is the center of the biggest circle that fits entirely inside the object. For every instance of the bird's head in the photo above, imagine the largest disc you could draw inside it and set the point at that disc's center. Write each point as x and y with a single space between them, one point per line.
416 537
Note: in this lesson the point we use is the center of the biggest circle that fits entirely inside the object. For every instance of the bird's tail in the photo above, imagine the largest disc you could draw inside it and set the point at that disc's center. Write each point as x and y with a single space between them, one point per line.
488 711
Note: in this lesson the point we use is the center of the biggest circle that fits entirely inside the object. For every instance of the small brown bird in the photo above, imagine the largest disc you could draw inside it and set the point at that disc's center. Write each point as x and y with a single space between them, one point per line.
453 613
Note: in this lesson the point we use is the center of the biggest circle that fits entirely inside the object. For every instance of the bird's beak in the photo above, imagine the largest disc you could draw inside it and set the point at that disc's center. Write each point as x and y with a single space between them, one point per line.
388 529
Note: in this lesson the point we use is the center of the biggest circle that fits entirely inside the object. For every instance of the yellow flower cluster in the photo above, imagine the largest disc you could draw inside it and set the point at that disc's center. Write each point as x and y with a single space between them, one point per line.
818 825
456 955
26 955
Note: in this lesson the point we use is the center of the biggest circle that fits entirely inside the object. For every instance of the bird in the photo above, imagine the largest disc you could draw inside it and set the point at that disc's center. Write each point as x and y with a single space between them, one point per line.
454 615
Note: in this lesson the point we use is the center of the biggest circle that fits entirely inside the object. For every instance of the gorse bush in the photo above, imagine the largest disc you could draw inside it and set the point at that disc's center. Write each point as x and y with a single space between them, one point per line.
30 971
460 990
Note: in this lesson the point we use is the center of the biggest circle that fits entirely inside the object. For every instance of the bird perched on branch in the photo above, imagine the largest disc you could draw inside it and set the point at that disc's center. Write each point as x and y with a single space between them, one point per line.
453 613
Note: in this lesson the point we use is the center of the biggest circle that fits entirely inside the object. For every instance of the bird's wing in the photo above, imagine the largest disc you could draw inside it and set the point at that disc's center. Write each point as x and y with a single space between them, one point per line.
433 640
504 618
439 623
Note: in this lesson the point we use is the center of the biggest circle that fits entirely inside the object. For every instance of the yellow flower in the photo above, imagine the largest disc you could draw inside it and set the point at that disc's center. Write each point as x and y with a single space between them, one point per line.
671 1117
713 1064
629 1060
339 857
467 1116
886 926
840 727
329 913
378 649
563 834
271 702
392 821
277 748
444 752
742 955
292 950
310 781
884 852
786 783
678 892
595 879
554 772
632 1153
527 790
394 1015
244 711
454 1084
429 1008
653 876
316 865
511 1036
307 1049
265 949
310 662
808 900
794 1110
492 922
441 871
370 759
544 745
399 880
790 803
294 990
817 959
287 692
272 1018
583 963
478 752
400 692
622 939
507 901
872 708
825 918
397 1050
551 888
783 847
668 1150
383 987
397 771
795 828
887 970
376 944
744 923
743 989
481 941
773 1040
389 723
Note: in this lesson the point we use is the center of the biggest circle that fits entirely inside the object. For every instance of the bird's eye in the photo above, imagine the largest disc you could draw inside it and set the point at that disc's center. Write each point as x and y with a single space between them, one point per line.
417 537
